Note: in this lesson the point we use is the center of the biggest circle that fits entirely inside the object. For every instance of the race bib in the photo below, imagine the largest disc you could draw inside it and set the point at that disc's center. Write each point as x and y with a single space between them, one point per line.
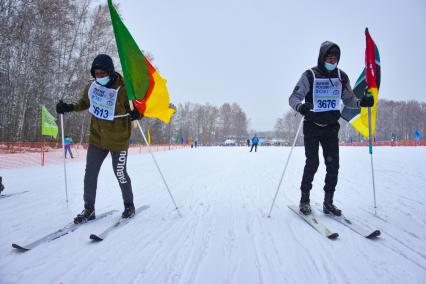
102 101
327 94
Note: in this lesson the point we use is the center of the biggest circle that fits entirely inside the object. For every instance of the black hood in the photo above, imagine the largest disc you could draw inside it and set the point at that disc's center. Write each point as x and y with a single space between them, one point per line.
103 62
325 47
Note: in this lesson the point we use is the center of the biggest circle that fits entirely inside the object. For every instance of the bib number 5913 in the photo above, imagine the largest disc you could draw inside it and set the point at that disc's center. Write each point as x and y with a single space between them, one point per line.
100 112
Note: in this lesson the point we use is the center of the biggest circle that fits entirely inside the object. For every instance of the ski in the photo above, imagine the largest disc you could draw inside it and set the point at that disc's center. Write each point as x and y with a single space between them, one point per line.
314 223
12 194
70 227
119 223
360 230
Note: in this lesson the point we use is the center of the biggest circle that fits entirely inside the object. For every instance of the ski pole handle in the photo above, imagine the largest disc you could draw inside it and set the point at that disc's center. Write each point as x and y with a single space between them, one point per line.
134 123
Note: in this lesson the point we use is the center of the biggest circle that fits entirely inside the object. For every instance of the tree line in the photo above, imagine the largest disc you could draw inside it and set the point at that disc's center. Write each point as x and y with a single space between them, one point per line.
204 123
398 119
208 124
46 51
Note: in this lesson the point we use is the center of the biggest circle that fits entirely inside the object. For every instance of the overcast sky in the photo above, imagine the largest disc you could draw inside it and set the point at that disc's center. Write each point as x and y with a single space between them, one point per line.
253 52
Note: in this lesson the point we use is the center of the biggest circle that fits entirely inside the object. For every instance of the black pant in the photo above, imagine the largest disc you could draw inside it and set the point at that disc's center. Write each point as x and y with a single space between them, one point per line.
255 147
95 158
327 136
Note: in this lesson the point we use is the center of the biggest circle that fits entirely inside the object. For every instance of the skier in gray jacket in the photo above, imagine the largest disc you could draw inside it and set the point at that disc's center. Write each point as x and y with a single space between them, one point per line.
317 96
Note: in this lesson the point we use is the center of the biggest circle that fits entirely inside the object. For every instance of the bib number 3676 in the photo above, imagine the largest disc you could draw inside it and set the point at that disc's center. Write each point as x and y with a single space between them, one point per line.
326 104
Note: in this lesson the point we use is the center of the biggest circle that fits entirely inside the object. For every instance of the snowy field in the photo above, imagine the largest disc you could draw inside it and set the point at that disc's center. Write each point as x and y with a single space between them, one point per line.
223 235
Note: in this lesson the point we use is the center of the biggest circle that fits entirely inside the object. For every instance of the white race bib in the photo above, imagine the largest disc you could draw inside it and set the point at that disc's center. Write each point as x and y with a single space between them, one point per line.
327 94
102 101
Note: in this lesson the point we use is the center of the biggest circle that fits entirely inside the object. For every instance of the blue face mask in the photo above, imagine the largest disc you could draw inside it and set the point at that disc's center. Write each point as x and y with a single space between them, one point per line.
103 81
329 66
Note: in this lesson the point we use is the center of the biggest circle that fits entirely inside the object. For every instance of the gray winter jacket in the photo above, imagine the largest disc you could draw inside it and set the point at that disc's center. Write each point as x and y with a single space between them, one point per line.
303 90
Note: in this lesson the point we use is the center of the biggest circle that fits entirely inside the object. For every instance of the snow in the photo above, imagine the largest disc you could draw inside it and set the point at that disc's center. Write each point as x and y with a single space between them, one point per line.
223 235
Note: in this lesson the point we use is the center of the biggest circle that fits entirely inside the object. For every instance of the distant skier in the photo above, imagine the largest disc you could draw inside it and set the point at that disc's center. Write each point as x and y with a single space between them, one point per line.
67 145
110 130
248 142
254 142
322 88
1 184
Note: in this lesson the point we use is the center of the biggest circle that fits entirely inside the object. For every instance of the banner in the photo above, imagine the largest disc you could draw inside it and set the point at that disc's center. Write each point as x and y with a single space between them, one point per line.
144 84
48 124
368 81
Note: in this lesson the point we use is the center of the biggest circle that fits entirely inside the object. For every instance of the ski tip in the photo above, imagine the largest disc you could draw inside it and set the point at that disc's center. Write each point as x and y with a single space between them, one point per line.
95 238
333 236
18 247
374 234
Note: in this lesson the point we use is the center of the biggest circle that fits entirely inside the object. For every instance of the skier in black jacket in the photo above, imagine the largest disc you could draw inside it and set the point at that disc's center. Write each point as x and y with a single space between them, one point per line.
322 88
1 184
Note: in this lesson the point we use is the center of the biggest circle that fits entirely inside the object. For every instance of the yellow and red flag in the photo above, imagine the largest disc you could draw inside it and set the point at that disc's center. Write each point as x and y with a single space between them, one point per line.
144 85
368 81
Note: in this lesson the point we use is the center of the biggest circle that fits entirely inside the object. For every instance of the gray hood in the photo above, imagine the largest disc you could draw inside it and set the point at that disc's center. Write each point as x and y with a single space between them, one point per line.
325 47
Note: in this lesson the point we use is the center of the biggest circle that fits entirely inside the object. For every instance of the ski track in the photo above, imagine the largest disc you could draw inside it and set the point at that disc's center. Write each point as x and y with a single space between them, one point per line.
224 234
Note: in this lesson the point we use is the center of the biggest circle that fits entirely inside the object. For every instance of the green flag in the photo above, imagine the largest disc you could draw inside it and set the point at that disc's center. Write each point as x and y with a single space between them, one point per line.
48 124
144 85
133 62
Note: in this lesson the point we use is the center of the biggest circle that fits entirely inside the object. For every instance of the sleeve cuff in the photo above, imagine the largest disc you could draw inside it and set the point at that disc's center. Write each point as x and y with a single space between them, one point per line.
298 106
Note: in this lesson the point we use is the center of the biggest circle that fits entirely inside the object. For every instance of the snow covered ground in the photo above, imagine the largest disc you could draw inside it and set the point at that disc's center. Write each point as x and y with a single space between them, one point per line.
223 236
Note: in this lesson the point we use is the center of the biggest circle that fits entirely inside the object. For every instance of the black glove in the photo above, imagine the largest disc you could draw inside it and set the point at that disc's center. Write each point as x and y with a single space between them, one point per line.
62 107
367 101
304 109
1 184
135 115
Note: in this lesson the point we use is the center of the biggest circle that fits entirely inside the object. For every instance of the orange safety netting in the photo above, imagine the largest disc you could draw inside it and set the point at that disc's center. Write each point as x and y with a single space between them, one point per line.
388 143
29 154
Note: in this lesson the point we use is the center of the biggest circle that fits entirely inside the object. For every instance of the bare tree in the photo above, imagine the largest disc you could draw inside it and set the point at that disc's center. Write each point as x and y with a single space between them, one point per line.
208 124
394 118
45 55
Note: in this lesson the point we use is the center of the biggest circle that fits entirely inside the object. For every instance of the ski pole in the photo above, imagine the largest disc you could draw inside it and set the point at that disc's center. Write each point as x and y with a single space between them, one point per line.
136 123
285 167
158 168
63 151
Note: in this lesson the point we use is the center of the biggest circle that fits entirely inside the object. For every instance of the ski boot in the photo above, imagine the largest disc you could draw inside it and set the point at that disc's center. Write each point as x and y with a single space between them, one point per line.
86 215
129 210
328 206
304 206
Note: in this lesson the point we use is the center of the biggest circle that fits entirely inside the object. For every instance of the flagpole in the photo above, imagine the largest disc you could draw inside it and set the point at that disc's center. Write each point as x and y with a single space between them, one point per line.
63 151
158 168
155 160
370 147
285 167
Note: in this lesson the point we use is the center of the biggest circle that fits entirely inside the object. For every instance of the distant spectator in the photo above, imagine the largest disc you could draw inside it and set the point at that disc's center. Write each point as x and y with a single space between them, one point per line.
254 142
67 143
393 139
1 184
248 142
